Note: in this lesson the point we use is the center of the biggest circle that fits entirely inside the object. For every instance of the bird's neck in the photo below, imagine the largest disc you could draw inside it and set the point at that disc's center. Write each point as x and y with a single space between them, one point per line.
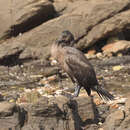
55 50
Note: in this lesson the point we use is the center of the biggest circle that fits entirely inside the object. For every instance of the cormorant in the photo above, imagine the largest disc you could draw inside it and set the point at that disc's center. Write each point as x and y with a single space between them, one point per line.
77 66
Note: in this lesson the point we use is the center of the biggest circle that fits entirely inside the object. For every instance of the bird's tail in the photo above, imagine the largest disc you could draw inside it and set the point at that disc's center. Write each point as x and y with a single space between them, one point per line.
104 94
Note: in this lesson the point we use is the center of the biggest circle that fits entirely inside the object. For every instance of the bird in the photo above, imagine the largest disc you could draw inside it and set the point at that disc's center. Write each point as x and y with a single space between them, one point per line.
77 66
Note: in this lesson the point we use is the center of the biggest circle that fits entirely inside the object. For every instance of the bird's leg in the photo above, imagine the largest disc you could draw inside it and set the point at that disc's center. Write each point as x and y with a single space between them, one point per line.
77 90
60 78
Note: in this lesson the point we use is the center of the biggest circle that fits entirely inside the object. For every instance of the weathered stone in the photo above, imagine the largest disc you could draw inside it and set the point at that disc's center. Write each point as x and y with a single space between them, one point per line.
119 46
97 14
91 52
60 113
7 49
47 115
20 16
107 27
127 106
114 120
10 116
88 15
87 112
115 38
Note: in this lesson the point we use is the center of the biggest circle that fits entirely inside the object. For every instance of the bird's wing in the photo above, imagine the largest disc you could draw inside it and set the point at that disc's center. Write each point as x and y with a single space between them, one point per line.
80 68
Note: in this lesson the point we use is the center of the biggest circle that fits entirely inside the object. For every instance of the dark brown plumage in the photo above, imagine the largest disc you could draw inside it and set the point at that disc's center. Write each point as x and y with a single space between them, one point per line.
77 66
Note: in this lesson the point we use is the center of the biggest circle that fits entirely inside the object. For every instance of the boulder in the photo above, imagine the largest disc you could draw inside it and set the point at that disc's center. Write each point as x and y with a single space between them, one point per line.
119 46
10 116
20 16
88 15
114 120
89 21
119 119
108 27
59 113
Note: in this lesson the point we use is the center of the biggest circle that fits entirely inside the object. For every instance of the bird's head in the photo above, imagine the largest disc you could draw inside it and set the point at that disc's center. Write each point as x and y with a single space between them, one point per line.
66 39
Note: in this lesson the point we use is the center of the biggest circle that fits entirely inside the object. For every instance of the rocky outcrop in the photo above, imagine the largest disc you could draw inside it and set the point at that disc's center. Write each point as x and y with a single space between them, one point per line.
11 116
119 46
10 55
21 16
119 120
107 28
35 25
62 113
49 113
94 19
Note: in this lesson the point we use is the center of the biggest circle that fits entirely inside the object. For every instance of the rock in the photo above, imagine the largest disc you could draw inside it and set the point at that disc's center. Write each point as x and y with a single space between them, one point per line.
100 26
119 54
127 106
125 125
61 6
20 16
5 16
87 112
114 120
60 113
97 15
13 48
119 46
90 56
99 55
9 53
10 116
6 109
119 119
115 61
29 97
115 38
91 51
117 68
112 25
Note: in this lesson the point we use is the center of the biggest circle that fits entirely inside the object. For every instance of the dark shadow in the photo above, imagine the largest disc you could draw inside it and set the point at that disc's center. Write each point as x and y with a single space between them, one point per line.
126 33
79 124
23 116
13 60
38 18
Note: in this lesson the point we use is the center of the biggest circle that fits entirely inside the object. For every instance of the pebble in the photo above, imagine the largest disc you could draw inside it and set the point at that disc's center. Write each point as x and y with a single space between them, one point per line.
36 76
51 78
99 55
53 62
59 92
117 67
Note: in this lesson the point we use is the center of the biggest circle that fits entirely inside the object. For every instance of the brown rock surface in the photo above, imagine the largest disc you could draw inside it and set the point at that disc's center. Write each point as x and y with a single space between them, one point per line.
10 116
110 26
115 47
59 113
48 113
94 19
119 120
114 120
89 21
20 16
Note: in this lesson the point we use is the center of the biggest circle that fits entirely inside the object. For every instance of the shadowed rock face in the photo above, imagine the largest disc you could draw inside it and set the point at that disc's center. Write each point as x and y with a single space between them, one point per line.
61 113
19 17
54 113
89 21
